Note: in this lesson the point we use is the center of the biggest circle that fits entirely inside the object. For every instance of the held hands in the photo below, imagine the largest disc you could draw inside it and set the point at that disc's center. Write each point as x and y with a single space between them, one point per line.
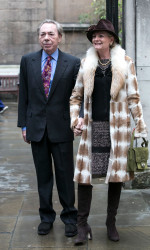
24 136
79 127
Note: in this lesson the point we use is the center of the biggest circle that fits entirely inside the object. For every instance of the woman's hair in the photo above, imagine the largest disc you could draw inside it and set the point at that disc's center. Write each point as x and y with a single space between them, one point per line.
58 25
114 42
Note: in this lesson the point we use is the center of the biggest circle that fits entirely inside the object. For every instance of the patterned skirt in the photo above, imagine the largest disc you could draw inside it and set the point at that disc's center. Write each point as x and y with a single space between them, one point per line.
100 148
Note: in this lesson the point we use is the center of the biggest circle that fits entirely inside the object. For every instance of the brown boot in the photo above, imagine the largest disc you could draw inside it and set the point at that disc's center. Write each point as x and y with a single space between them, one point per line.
114 192
84 204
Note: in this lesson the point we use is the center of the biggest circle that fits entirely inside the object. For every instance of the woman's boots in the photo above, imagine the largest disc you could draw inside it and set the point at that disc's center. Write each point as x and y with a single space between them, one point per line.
84 204
114 191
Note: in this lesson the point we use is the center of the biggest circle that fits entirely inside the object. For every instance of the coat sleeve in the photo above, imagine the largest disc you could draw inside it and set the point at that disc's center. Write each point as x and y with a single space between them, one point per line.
134 102
23 97
76 98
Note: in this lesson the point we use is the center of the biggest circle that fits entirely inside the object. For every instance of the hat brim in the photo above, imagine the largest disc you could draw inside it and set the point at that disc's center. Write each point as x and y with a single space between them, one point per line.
90 34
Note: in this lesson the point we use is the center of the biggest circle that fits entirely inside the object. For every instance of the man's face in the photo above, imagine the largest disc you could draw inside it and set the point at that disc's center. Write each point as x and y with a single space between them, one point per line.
49 37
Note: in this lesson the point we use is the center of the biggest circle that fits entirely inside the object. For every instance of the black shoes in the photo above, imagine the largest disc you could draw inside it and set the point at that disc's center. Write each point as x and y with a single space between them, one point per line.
44 228
70 230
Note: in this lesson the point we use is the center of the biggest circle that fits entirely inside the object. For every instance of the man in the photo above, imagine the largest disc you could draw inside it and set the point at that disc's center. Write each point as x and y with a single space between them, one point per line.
47 78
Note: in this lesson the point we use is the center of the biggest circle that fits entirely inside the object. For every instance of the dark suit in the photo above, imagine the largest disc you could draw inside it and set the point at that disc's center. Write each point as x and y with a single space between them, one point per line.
47 123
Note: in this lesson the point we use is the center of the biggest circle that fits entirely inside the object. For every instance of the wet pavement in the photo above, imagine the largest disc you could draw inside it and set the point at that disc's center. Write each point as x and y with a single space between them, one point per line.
19 203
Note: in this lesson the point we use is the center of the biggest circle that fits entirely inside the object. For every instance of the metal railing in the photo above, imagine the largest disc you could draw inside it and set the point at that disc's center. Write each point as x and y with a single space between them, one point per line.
9 83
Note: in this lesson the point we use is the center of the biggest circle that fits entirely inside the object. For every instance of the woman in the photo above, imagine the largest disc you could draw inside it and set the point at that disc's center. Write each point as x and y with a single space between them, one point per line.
108 84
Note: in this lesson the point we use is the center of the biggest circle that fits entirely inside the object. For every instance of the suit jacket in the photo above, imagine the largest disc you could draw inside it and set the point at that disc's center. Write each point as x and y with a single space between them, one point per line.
35 111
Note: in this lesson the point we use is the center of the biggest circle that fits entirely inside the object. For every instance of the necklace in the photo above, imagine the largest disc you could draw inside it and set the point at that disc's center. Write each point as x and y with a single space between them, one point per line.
104 64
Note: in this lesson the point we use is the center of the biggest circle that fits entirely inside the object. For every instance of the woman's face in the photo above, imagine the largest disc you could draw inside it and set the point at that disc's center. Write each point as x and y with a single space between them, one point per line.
102 40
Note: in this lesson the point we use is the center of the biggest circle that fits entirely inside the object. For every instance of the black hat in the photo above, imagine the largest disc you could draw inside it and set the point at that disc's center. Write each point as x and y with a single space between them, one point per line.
102 25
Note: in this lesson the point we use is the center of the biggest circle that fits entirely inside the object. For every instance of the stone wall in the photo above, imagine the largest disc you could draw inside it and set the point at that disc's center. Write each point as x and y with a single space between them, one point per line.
143 57
137 46
68 11
19 20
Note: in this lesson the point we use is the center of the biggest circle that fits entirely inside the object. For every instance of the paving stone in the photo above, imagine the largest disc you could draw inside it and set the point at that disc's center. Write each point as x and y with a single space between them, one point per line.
7 224
131 238
4 241
19 203
10 205
26 234
52 248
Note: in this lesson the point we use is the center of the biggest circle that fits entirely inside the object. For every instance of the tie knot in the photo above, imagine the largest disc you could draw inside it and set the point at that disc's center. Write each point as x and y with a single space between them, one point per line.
49 58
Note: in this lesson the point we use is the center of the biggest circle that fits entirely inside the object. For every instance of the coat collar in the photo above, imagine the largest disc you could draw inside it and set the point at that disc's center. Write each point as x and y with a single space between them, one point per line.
36 66
62 64
119 70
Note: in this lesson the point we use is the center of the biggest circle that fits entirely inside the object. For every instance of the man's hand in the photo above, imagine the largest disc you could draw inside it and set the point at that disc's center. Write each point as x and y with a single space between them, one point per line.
79 127
24 136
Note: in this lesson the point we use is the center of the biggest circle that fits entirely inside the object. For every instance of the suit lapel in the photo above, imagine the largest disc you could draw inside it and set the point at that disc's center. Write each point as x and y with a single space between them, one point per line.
36 65
62 64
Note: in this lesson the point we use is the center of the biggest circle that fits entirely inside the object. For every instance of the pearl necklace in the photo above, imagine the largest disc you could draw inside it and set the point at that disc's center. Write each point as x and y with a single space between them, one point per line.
104 64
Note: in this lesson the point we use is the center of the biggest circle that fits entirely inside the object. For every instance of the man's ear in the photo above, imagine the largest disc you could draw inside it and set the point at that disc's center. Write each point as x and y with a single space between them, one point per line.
60 38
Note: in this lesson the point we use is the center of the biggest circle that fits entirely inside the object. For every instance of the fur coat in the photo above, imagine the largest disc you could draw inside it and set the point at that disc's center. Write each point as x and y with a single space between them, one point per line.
125 101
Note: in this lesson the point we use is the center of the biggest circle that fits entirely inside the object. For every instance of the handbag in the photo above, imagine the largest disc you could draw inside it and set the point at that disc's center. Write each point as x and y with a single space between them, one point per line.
137 156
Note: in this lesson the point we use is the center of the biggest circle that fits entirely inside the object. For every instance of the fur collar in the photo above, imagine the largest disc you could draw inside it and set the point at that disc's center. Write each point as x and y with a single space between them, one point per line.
119 70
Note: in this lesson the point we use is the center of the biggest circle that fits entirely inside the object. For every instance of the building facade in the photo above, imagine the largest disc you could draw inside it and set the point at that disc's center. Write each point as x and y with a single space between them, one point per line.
19 20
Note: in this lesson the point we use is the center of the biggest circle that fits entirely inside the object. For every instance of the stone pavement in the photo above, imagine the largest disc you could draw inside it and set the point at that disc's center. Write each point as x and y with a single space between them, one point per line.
19 203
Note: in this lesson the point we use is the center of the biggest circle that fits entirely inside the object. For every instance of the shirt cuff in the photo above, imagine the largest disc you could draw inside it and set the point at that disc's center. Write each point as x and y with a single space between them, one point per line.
24 128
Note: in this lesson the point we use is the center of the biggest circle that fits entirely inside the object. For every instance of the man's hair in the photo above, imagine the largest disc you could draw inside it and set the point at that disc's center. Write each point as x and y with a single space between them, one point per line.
58 26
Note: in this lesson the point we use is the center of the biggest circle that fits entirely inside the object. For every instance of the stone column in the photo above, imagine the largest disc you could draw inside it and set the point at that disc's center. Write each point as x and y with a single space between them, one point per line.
130 28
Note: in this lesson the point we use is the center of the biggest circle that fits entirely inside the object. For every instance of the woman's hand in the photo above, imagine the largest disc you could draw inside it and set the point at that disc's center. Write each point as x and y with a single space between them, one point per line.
79 127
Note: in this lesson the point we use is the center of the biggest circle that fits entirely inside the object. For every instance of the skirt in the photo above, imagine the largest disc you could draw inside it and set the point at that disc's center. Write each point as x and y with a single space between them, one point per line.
101 144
